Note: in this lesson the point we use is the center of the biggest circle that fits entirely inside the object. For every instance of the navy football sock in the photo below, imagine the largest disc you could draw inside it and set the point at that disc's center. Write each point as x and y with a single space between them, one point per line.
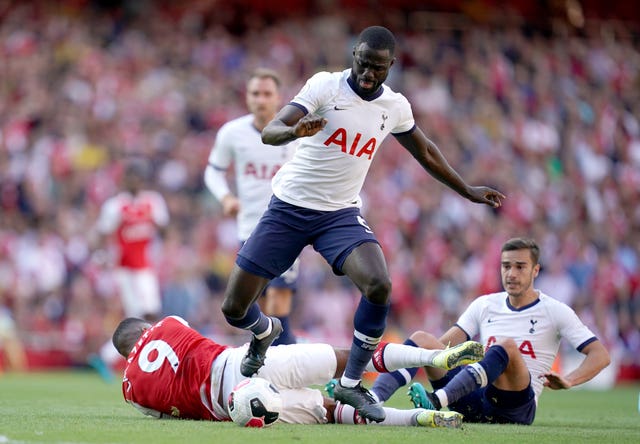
287 336
477 375
369 322
254 320
495 361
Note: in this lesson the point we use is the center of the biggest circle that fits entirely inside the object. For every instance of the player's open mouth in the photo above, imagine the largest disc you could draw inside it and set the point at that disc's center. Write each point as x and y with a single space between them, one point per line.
366 84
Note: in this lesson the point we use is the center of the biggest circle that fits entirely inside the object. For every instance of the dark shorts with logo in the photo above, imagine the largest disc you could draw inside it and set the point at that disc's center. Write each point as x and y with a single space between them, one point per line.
285 229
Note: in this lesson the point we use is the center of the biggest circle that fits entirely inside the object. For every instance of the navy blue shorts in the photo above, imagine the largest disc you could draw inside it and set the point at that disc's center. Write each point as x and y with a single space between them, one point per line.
288 279
284 230
492 405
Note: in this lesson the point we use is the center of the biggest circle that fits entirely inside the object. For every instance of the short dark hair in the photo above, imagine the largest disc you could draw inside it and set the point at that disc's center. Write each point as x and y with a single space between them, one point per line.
127 333
521 243
266 73
138 168
378 37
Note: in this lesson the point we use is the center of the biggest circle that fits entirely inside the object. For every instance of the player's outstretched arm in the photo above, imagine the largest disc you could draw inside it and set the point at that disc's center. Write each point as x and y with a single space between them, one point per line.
291 123
432 160
597 358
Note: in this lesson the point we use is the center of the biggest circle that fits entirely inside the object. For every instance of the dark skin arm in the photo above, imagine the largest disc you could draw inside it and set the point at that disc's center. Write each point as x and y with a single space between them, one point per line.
429 156
291 123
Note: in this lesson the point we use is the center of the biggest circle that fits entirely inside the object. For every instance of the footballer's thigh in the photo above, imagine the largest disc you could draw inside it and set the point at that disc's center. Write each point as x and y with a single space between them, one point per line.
516 376
149 292
291 368
286 366
303 406
299 365
139 292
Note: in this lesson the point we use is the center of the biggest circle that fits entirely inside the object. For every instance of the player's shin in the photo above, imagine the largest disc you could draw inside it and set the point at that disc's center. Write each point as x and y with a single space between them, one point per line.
254 320
369 323
475 376
386 358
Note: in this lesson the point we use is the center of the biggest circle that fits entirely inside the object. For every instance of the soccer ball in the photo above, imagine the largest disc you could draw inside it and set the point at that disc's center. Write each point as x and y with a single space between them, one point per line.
254 402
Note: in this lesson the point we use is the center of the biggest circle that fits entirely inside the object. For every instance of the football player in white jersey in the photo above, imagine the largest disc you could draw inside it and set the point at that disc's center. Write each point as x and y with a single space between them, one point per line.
239 142
521 328
341 119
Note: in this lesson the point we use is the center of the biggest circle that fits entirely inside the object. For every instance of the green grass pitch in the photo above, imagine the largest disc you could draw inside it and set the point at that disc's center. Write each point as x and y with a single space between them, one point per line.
78 407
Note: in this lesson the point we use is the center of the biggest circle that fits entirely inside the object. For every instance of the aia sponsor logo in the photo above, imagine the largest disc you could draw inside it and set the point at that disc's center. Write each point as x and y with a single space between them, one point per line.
359 147
261 171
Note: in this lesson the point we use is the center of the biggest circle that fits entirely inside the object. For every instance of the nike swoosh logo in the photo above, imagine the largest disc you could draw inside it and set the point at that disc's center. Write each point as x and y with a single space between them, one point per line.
338 109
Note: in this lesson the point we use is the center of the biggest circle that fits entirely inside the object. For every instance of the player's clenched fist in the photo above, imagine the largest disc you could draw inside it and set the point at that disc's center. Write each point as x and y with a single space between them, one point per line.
309 125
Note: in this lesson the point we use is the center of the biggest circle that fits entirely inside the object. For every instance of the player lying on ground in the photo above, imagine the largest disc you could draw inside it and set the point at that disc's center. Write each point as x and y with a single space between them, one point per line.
521 328
174 372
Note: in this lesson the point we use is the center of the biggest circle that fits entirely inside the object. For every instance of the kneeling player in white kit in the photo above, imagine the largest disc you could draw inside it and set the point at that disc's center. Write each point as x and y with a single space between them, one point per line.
521 328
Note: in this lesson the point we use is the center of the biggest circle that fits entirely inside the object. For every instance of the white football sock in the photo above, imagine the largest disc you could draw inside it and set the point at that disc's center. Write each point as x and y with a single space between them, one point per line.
442 396
345 414
348 382
398 356
267 332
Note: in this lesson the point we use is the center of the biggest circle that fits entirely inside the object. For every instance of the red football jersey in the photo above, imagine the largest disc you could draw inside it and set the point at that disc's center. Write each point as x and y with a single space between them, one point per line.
134 220
169 370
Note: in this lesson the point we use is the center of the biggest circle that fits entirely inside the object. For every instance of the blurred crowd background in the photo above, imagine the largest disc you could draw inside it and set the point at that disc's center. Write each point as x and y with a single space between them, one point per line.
540 100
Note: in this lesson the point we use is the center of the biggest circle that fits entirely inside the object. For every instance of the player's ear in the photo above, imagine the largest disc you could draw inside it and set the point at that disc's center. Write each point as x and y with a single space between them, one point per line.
536 270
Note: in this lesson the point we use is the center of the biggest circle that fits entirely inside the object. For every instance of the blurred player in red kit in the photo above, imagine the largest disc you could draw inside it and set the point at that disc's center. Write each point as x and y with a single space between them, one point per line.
133 219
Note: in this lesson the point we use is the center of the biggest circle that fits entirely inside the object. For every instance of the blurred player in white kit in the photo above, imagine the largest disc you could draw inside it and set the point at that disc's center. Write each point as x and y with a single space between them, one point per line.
238 142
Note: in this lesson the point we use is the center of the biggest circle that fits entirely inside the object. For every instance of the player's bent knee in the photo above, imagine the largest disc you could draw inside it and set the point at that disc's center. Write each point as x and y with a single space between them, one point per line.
232 309
378 290
425 340
509 345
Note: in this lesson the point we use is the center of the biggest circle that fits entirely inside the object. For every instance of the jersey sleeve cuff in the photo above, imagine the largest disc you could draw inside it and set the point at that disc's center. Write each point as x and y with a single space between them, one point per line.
300 107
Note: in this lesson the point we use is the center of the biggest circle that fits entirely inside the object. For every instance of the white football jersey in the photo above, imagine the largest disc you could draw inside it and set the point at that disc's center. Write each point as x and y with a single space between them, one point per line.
239 142
328 169
536 328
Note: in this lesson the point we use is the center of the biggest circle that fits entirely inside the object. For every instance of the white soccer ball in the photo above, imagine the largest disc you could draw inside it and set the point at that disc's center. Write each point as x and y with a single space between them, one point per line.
254 402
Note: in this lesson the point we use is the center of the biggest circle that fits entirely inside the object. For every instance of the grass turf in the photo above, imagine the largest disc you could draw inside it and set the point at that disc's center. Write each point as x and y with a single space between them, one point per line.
78 407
